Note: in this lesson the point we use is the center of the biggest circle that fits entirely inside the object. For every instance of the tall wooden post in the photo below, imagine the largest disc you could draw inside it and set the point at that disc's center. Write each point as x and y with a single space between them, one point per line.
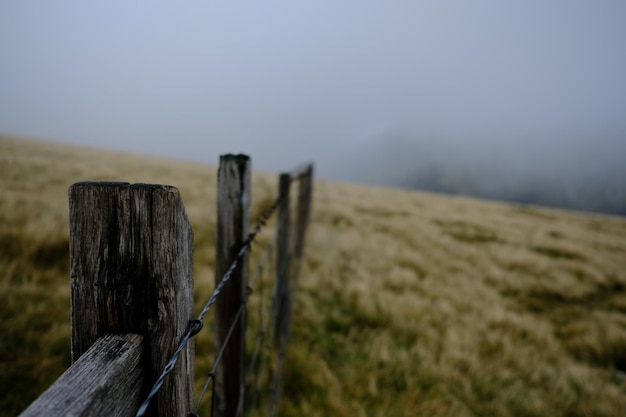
233 219
305 192
131 256
283 293
283 259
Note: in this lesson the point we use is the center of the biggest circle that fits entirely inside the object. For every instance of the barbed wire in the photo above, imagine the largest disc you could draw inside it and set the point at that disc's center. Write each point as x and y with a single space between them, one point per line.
244 248
296 235
262 335
293 274
262 320
195 326
267 252
265 334
218 359
211 377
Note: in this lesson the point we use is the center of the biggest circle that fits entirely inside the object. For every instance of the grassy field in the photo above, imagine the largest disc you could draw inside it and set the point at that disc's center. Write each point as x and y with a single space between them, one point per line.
409 303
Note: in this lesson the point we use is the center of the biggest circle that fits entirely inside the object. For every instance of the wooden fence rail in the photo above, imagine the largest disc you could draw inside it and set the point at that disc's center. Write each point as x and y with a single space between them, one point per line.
131 278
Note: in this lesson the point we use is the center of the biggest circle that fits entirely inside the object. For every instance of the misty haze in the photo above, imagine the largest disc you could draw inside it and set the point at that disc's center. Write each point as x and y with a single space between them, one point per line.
570 172
523 102
408 303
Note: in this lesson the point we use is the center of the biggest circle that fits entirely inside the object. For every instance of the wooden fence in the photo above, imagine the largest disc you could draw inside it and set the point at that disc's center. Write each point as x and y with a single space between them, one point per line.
131 278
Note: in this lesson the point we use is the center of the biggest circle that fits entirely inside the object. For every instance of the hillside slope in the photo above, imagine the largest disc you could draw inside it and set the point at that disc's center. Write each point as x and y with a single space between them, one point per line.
409 303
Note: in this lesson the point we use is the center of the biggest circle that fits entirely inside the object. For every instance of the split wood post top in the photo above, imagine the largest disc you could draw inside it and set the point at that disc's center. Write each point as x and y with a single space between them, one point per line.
131 257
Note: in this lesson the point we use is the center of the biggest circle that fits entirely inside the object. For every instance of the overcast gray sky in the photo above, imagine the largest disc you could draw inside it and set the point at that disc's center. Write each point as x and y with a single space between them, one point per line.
294 80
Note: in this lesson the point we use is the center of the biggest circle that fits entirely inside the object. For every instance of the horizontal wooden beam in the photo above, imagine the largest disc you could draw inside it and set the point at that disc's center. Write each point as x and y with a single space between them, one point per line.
105 381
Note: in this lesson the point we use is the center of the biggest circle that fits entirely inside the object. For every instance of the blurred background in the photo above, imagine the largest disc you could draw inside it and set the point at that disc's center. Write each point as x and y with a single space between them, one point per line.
523 102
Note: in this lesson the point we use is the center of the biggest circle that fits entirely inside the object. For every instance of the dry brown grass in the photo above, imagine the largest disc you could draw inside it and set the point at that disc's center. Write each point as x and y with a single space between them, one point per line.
409 303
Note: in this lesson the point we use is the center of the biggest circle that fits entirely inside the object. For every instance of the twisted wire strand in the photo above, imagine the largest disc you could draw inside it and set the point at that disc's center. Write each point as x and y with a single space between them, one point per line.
267 252
218 359
197 324
167 369
244 248
265 335
211 376
281 353
258 370
257 346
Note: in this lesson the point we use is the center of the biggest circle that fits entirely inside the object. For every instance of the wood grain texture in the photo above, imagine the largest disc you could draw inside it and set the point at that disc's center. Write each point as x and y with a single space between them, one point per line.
131 260
107 380
233 219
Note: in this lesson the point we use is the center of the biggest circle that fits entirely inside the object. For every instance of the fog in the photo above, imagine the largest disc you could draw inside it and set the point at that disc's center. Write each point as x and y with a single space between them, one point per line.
510 91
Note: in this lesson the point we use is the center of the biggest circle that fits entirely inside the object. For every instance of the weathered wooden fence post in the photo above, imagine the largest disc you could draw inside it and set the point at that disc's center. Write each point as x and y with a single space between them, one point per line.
131 256
283 259
131 279
283 295
233 219
305 192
